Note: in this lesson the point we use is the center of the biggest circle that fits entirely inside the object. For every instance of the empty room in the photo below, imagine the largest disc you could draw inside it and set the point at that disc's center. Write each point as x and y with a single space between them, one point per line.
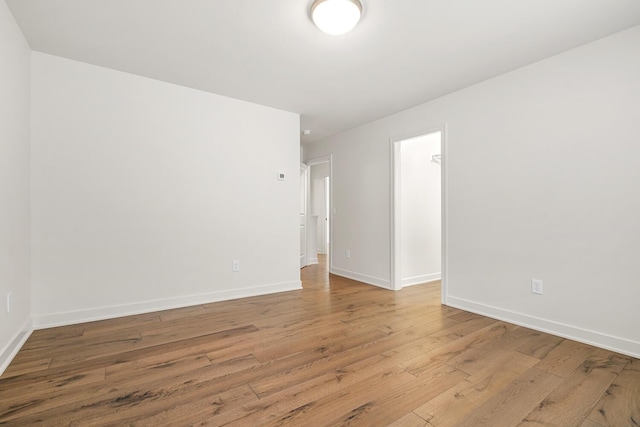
417 213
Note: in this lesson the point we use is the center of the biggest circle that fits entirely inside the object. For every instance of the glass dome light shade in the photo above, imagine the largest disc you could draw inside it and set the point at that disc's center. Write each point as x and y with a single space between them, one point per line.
336 17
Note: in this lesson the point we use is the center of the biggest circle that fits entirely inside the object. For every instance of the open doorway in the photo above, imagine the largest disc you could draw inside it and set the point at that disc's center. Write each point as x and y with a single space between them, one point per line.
417 229
319 202
303 216
326 232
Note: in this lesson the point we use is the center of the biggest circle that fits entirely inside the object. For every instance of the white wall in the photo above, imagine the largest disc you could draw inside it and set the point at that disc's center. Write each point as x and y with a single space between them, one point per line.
360 203
543 181
15 60
144 192
420 225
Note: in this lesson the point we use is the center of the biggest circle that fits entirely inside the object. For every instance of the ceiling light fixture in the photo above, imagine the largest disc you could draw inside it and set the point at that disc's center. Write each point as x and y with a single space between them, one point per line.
336 17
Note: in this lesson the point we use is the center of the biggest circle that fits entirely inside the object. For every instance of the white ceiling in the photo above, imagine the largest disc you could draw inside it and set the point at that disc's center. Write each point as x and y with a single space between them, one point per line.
403 52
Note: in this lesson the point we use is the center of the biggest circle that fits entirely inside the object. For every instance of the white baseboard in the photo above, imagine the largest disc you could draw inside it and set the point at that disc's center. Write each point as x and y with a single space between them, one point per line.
417 280
43 321
375 281
597 339
313 261
15 344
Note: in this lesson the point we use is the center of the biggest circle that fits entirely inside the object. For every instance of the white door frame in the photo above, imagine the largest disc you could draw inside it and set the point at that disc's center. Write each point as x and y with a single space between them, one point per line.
326 224
396 279
318 161
304 187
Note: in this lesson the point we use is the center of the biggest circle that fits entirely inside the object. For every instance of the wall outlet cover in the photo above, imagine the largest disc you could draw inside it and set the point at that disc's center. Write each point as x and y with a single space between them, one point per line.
536 286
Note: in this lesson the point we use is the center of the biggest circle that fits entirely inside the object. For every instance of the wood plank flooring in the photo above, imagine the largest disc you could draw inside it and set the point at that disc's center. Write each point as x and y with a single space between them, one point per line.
337 352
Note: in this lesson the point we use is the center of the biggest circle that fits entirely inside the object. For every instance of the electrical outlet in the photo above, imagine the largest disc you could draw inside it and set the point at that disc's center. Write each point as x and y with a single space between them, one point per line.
347 253
235 265
536 286
9 302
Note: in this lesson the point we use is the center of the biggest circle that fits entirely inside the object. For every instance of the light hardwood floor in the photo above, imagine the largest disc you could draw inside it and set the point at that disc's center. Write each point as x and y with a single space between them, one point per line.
335 353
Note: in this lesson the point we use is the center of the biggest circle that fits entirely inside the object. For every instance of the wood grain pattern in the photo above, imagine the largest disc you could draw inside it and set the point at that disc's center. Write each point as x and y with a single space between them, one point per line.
571 402
620 405
565 358
454 405
410 420
337 352
588 423
509 406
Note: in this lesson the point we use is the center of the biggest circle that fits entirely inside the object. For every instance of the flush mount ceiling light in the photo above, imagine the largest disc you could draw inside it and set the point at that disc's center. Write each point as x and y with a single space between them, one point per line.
336 17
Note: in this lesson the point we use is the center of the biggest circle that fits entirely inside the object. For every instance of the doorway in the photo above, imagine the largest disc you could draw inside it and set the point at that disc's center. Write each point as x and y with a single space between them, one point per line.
320 207
418 252
326 232
302 217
